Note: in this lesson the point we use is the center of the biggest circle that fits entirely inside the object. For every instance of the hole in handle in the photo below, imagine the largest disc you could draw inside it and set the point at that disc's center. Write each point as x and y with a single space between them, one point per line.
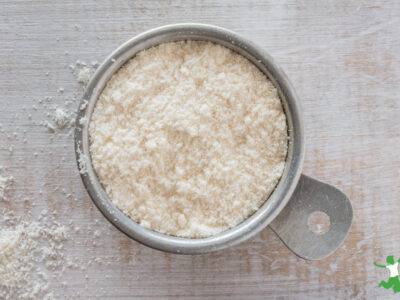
319 222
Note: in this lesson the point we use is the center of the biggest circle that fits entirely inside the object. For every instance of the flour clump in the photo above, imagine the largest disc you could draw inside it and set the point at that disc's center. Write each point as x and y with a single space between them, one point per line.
5 183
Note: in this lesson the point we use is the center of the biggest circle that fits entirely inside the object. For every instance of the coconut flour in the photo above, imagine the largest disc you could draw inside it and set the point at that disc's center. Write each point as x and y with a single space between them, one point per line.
188 138
27 252
5 183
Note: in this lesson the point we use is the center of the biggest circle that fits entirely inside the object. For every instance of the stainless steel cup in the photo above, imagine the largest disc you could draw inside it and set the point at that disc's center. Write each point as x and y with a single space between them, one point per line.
286 210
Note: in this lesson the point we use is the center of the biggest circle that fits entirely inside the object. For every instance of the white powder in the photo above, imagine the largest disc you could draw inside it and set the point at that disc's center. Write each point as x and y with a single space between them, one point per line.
61 118
83 105
26 252
83 71
83 121
49 126
82 160
84 75
5 183
189 138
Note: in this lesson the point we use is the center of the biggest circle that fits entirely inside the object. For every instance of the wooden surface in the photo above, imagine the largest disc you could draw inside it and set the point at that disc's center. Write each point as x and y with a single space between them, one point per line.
343 58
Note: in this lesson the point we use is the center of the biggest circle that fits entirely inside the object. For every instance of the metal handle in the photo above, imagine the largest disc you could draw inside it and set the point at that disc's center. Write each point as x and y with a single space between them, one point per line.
291 225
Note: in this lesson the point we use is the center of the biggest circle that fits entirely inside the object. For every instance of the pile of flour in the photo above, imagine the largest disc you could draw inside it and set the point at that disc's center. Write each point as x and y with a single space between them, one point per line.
27 252
189 138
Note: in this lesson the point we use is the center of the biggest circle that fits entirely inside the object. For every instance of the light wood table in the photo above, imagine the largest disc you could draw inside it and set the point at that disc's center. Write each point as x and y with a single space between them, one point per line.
343 58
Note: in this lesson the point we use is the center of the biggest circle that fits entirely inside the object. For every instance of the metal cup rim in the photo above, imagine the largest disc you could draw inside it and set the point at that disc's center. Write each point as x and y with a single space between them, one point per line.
275 202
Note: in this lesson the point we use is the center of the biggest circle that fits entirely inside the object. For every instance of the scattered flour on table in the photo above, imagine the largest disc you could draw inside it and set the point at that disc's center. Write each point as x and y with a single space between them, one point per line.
27 251
5 183
84 75
188 138
61 118
32 254
83 71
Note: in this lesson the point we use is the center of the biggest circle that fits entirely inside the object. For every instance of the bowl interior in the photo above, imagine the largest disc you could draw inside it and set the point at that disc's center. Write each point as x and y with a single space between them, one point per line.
276 201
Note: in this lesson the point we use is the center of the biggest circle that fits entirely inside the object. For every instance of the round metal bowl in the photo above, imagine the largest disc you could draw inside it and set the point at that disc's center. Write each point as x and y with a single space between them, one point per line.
272 206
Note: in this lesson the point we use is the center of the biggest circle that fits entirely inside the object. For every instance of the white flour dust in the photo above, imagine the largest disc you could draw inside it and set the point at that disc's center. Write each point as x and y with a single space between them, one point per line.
5 184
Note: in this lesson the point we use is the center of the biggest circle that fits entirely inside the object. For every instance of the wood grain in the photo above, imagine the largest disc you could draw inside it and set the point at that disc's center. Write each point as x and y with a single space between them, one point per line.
343 57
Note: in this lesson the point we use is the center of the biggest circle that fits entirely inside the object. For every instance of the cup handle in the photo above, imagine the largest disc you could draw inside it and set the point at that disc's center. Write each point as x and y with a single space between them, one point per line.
291 225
